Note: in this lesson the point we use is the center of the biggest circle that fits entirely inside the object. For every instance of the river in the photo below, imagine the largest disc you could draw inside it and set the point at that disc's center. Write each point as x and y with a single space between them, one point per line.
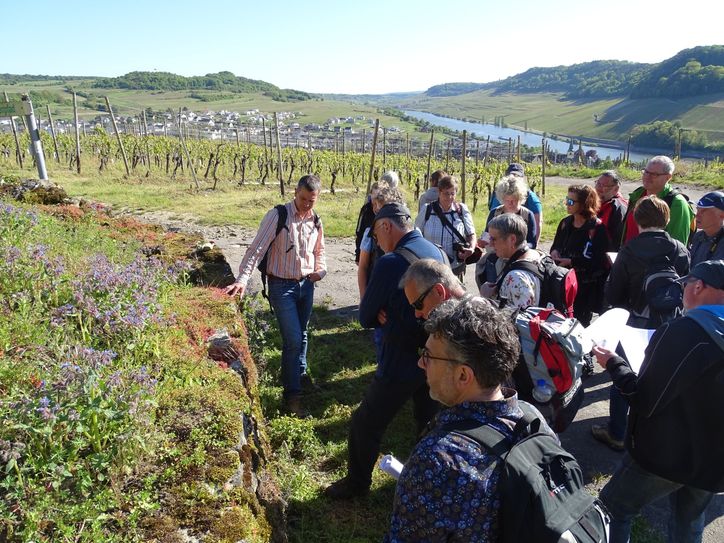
527 138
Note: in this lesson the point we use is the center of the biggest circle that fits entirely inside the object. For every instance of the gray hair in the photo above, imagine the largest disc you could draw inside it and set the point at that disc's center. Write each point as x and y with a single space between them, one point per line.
426 272
404 223
613 176
510 223
666 162
312 183
512 185
387 195
391 178
477 334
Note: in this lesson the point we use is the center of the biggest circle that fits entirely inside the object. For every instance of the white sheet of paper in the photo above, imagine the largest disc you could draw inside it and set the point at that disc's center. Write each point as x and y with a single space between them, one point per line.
634 342
606 330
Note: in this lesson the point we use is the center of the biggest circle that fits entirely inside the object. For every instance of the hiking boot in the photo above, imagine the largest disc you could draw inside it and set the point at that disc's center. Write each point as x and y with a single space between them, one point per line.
308 384
587 367
601 433
293 406
345 489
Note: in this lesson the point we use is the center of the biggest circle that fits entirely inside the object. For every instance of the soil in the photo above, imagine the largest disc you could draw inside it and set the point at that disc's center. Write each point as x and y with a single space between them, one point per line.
338 291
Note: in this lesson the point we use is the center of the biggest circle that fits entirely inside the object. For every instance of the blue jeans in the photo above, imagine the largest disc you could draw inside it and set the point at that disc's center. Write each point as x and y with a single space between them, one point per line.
292 304
632 487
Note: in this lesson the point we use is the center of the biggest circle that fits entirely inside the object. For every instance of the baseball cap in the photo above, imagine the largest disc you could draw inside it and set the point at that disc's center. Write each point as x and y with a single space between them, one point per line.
712 199
515 168
395 209
709 271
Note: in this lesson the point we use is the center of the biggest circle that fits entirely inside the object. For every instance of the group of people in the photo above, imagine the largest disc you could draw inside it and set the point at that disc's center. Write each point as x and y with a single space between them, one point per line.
458 366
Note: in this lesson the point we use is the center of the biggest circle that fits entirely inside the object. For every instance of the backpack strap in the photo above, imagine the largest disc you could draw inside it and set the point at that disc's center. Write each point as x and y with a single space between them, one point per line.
446 223
281 225
408 254
509 265
715 241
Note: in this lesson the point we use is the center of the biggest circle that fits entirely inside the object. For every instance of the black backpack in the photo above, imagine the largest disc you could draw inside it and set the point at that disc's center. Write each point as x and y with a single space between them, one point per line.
542 494
364 220
281 225
558 285
662 290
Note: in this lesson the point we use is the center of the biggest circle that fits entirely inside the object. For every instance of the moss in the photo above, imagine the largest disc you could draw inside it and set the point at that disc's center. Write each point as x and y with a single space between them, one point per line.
239 522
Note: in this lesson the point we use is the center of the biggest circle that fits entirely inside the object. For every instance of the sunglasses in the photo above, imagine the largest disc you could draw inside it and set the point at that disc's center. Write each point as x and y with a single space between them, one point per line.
417 304
570 202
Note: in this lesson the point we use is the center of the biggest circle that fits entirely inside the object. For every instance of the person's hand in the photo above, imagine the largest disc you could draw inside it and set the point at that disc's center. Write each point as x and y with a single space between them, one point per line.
488 290
465 253
314 277
603 355
565 262
555 255
235 288
382 316
482 243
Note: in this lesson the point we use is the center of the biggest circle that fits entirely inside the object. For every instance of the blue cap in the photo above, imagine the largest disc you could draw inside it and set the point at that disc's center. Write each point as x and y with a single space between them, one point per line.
712 199
709 271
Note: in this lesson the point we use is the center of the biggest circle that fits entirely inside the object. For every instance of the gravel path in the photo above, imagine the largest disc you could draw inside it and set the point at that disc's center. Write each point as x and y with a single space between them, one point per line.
339 292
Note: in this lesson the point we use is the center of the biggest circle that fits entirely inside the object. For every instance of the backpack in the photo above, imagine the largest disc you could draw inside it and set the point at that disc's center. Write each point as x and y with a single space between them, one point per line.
364 220
542 493
281 225
669 199
553 354
663 292
558 285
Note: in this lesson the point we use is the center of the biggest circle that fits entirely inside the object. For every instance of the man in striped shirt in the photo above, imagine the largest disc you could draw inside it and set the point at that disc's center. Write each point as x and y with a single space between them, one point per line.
295 262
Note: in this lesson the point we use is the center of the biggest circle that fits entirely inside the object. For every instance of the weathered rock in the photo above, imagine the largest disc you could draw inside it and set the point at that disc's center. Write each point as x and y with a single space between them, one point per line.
35 191
209 267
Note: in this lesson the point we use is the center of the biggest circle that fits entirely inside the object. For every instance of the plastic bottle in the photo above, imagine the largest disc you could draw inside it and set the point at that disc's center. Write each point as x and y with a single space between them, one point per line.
391 465
542 391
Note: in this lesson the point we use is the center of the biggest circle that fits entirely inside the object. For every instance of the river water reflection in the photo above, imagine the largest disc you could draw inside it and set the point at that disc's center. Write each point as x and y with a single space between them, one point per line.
526 138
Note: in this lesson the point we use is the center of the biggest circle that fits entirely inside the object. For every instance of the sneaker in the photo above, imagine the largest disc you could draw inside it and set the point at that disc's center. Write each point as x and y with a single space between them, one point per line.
293 406
588 368
601 433
308 384
345 489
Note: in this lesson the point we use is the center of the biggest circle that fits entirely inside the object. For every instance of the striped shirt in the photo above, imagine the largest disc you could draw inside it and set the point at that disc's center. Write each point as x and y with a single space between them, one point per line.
434 231
296 252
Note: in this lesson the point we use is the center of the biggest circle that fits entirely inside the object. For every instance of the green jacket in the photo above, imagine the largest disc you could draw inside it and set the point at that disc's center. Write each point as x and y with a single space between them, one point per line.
681 214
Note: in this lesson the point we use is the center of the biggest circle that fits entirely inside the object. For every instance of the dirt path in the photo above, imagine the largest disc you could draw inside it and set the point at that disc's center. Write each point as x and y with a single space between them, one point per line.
339 292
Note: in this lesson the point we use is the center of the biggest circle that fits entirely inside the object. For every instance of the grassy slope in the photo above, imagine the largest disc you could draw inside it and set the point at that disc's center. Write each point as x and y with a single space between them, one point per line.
551 112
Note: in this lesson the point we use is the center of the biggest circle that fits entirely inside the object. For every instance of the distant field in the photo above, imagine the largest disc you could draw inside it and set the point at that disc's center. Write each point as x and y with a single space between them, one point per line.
551 112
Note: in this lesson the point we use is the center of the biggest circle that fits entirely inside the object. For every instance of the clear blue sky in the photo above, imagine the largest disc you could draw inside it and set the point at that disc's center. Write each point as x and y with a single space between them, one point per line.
365 46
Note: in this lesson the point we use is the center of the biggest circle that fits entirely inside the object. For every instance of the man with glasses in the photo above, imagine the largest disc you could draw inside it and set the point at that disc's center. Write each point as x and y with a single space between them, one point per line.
655 179
674 444
295 262
707 243
428 283
397 378
449 488
613 207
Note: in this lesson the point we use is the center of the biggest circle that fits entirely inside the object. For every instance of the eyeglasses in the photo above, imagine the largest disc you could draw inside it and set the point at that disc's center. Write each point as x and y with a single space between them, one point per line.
373 235
417 304
601 185
570 202
652 174
425 355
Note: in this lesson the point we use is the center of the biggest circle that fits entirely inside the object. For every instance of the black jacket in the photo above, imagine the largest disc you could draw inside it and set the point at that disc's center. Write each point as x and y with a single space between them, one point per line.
676 419
624 287
585 246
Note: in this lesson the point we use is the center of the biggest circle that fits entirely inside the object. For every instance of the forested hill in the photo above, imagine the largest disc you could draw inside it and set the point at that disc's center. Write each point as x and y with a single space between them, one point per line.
222 81
691 72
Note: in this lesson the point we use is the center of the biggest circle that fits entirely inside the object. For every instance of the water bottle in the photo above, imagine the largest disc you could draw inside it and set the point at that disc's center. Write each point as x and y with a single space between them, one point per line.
542 391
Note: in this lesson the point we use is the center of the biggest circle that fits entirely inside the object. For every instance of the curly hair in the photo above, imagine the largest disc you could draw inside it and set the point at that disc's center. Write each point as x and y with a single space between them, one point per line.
588 198
479 335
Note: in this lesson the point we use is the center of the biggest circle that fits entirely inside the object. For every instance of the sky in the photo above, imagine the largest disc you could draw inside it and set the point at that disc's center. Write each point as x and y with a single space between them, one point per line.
356 47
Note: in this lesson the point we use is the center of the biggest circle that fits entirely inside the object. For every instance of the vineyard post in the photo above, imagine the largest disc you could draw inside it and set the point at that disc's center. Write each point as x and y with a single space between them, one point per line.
52 133
237 137
487 152
518 157
447 154
628 150
77 133
510 150
263 128
36 146
407 146
372 160
477 152
544 159
384 147
118 136
148 150
84 134
18 153
464 156
364 143
429 158
279 156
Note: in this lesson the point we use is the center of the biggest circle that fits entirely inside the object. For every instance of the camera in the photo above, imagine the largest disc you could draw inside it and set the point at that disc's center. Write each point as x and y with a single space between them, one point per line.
458 247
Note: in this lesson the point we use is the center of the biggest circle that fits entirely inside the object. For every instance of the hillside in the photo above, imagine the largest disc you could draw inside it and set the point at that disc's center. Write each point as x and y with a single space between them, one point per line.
691 72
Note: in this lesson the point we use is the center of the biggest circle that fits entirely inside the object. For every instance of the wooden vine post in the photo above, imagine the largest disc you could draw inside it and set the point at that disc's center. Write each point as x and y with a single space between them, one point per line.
462 158
544 159
18 152
279 156
118 136
372 161
52 133
77 133
429 158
